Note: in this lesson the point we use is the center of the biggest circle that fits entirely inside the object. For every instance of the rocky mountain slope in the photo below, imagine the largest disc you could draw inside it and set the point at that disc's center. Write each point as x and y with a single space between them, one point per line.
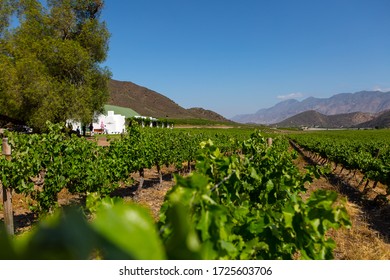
207 114
343 103
381 121
150 103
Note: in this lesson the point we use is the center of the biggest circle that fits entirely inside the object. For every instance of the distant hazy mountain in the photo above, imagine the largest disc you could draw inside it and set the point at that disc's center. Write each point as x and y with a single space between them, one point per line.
274 114
343 103
314 119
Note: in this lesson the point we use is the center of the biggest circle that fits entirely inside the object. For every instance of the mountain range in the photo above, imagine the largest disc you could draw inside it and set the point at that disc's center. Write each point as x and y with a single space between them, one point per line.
372 102
360 109
350 120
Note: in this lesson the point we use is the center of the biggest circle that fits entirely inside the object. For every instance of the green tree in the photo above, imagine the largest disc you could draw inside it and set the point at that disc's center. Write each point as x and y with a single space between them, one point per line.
50 64
6 10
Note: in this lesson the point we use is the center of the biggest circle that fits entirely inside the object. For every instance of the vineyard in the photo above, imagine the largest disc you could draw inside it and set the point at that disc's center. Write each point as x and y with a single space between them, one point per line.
366 152
236 195
368 199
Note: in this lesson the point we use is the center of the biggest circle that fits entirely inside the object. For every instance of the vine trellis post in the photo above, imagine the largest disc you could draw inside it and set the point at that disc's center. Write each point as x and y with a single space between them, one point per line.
7 194
269 142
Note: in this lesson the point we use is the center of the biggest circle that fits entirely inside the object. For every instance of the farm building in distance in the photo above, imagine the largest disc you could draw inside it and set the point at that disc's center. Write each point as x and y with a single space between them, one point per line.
112 122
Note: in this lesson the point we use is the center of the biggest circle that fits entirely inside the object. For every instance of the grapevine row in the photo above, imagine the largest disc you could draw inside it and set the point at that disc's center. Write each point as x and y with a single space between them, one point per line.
249 206
42 165
366 151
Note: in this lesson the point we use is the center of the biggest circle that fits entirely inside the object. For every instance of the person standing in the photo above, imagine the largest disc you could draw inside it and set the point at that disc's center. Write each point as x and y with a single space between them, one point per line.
102 126
91 129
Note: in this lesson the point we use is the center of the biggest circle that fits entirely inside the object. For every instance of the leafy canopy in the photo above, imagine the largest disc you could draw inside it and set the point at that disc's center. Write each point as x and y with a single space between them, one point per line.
50 62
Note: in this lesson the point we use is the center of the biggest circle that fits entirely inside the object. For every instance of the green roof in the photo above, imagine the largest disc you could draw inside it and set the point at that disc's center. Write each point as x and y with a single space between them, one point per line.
127 112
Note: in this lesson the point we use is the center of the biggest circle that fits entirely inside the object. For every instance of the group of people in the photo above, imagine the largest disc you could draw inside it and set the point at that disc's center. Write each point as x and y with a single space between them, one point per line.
91 129
83 131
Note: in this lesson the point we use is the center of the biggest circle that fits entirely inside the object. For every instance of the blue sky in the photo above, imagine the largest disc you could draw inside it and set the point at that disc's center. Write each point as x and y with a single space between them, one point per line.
236 57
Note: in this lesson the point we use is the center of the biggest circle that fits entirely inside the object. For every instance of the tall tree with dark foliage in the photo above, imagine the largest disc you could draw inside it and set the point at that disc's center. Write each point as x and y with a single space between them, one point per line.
50 60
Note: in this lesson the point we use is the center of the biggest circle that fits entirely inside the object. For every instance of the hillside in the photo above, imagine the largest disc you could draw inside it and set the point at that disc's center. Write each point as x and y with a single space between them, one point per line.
314 119
143 100
308 118
150 103
381 121
343 103
207 114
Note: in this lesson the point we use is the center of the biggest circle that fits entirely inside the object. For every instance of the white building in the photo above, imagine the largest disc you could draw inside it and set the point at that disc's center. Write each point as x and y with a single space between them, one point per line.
109 124
146 119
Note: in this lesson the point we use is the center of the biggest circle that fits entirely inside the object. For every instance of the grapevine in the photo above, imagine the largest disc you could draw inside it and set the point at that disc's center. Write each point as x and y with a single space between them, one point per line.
242 202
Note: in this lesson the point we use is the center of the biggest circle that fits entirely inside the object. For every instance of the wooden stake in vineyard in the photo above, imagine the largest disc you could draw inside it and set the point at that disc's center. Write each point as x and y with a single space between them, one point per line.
269 142
7 194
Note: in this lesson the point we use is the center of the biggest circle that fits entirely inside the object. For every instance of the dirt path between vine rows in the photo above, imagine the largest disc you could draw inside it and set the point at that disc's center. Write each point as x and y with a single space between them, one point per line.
369 236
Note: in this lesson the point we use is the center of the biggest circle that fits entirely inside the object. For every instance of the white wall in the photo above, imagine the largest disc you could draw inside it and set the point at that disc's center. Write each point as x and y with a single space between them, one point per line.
112 123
